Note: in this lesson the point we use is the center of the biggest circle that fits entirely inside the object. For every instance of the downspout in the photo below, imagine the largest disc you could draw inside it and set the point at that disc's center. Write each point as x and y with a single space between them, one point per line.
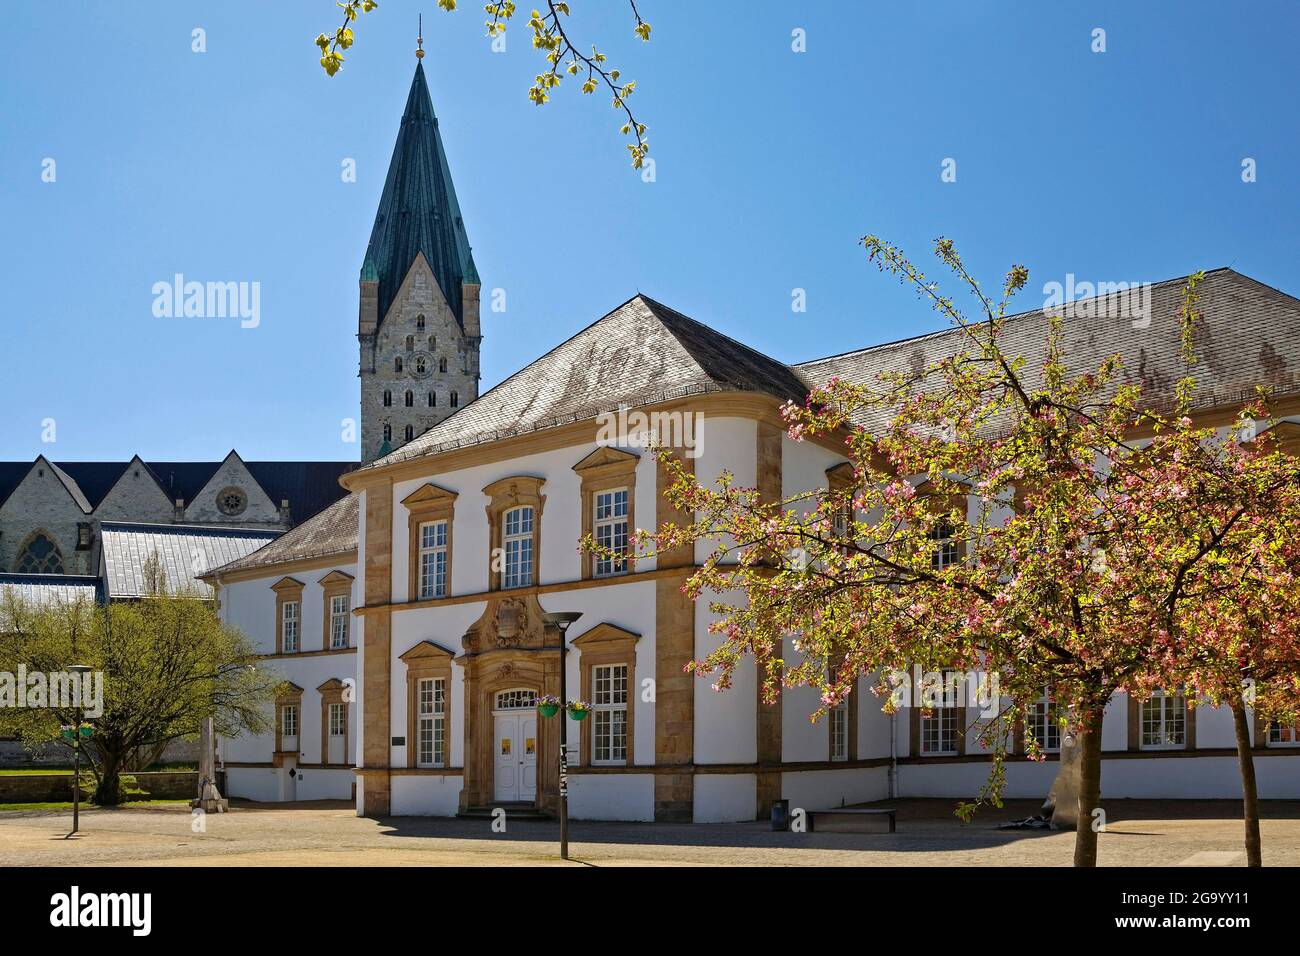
893 756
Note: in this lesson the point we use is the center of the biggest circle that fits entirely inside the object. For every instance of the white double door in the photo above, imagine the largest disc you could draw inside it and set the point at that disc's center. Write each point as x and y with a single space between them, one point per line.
515 741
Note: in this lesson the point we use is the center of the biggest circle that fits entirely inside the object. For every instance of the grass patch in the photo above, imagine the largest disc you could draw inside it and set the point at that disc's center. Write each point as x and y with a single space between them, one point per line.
47 769
67 805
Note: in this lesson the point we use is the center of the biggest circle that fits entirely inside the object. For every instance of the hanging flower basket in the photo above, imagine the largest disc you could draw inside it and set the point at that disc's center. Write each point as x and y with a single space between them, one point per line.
579 709
548 705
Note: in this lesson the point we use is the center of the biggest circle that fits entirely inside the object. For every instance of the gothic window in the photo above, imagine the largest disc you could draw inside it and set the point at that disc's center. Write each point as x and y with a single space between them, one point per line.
410 343
433 400
433 342
442 365
388 432
397 364
419 322
410 432
454 401
410 398
388 398
419 365
40 556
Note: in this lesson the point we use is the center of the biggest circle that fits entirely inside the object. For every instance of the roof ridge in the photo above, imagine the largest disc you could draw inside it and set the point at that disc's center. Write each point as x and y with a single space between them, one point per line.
950 329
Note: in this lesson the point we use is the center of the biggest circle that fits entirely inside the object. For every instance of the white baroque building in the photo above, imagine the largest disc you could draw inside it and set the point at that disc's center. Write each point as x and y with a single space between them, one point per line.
407 620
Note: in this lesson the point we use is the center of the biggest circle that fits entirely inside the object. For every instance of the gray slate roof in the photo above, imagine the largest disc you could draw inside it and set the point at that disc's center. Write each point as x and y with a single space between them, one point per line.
1249 334
185 553
42 590
641 352
334 531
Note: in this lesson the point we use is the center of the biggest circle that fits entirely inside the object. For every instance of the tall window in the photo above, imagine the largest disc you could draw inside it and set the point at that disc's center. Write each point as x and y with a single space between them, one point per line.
410 398
339 621
388 398
388 432
338 720
289 621
409 432
939 731
609 722
397 364
517 543
610 525
1164 721
433 560
442 364
419 322
410 343
432 723
419 365
454 400
40 556
839 718
289 720
433 400
944 546
1044 723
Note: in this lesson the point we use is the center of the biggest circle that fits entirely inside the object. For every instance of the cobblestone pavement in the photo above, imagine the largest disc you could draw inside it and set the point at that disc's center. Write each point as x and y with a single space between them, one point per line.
1139 833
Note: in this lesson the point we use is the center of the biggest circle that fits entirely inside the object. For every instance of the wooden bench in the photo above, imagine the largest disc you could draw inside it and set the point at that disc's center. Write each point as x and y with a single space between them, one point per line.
850 820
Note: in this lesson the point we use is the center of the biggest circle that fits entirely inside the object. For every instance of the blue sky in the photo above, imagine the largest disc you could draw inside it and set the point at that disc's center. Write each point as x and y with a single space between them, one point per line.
770 164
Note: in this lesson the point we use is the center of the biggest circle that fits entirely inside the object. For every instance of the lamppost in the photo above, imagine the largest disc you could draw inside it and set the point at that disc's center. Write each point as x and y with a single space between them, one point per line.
562 620
80 670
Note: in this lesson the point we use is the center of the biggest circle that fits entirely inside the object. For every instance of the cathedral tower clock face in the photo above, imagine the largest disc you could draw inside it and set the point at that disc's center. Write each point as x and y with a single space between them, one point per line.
421 364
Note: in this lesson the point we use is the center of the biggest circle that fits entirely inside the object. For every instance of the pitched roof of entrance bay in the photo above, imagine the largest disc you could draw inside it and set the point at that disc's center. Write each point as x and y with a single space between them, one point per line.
332 532
642 352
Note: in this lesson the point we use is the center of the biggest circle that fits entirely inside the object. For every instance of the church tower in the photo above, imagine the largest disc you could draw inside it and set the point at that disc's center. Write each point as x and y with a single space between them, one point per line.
418 325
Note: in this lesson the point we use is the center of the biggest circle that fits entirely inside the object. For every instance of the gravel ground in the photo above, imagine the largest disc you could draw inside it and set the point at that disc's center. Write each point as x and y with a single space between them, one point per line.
1139 833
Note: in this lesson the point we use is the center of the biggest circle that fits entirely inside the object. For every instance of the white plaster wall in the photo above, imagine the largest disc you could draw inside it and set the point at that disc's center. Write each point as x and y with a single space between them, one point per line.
822 789
424 795
726 722
612 797
725 797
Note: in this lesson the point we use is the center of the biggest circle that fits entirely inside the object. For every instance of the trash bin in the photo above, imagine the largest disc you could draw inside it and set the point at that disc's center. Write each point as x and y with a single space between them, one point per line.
780 814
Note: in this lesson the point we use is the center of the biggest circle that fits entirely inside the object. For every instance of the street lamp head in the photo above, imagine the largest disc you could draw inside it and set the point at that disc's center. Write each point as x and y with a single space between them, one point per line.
561 619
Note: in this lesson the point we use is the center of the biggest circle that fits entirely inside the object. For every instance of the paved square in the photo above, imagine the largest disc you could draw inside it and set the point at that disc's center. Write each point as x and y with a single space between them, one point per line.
1140 833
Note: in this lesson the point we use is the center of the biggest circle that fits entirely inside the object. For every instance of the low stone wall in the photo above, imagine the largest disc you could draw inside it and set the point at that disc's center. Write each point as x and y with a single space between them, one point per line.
56 787
14 754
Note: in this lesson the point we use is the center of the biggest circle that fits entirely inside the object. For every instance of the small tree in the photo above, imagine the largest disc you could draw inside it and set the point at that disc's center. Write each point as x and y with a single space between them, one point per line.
167 663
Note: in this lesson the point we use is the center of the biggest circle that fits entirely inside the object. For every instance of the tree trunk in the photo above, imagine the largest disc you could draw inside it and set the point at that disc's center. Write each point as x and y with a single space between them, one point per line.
1085 833
1249 791
109 791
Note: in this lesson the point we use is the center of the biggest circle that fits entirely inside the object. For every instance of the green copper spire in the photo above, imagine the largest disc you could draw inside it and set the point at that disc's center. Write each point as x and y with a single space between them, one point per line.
418 211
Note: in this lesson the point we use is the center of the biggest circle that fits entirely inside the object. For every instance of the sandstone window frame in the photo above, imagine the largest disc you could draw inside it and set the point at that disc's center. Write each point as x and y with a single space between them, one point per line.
288 591
606 469
287 695
847 710
333 693
426 661
604 645
840 479
506 494
336 584
428 504
940 505
1136 709
957 714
